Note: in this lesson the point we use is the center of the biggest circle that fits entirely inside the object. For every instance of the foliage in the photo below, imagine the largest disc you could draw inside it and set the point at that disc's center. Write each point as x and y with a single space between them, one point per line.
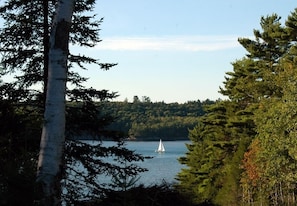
243 149
19 138
274 150
162 195
144 120
88 161
24 53
212 157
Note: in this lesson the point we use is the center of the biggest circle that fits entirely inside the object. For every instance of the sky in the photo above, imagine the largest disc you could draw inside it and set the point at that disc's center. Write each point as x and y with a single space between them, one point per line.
173 50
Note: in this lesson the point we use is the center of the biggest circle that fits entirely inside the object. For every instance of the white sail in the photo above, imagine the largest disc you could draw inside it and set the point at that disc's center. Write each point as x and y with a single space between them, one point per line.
161 147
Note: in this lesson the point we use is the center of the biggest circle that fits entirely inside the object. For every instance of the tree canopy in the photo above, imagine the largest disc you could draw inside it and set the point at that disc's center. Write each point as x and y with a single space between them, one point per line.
145 120
243 150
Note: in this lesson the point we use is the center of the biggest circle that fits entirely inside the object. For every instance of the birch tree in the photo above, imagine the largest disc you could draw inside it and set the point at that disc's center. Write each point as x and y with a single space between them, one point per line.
52 138
24 52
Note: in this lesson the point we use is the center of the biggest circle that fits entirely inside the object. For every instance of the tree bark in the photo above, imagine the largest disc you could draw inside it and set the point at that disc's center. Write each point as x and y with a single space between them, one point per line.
45 48
50 162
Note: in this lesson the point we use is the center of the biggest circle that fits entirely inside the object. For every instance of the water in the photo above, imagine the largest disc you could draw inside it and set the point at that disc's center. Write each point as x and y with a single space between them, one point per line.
162 167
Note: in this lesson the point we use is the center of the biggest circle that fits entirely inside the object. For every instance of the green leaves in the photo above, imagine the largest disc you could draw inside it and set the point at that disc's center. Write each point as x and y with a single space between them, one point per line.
246 146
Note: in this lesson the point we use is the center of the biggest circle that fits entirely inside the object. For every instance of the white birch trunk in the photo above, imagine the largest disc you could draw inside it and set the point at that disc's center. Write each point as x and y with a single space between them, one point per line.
52 139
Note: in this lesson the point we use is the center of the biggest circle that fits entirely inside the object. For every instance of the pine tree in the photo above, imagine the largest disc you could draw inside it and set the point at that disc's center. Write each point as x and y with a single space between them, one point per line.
268 176
229 127
274 158
24 52
211 146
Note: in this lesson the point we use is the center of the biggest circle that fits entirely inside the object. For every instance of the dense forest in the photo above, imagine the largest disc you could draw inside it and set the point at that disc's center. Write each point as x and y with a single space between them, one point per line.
243 151
145 120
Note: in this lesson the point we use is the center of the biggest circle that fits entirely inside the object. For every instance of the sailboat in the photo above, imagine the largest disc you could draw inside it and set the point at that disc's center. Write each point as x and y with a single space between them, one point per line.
161 147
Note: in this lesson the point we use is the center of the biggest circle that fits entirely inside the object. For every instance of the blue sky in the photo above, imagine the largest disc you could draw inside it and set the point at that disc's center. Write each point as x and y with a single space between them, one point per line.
174 50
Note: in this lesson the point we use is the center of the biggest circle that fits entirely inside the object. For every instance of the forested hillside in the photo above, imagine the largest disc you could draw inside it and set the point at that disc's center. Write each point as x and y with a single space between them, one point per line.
144 120
243 150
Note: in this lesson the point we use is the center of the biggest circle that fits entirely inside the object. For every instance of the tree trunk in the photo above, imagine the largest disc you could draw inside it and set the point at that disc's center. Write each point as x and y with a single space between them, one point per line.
45 48
52 140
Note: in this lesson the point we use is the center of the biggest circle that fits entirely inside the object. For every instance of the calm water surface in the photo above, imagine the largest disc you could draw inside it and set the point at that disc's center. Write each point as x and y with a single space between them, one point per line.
162 167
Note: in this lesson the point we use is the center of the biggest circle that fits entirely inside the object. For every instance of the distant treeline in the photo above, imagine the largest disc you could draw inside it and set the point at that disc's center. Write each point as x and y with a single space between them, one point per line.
144 120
